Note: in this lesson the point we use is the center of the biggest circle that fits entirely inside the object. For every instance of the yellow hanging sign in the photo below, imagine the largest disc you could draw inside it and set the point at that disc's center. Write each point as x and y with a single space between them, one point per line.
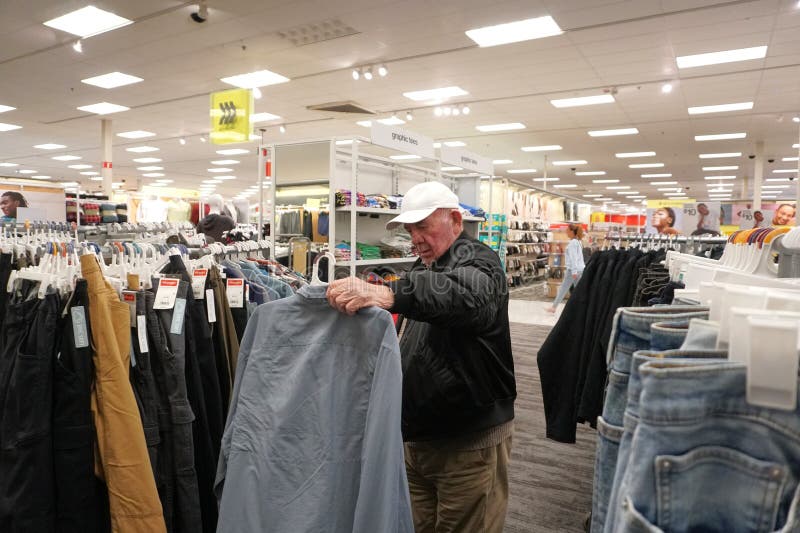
230 116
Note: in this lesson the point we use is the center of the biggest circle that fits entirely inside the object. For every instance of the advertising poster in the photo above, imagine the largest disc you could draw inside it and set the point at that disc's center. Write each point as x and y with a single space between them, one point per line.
32 203
783 214
701 218
775 214
664 217
752 219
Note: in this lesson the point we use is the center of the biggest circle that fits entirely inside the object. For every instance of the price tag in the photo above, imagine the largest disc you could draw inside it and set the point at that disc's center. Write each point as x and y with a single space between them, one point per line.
199 282
129 297
79 329
166 293
235 292
210 310
176 328
141 332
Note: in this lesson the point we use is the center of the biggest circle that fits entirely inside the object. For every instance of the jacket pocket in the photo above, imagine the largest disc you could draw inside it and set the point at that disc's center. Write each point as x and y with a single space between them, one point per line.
28 400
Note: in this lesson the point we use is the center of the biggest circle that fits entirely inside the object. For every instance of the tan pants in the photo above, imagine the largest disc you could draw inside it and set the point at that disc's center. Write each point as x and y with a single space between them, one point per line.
458 491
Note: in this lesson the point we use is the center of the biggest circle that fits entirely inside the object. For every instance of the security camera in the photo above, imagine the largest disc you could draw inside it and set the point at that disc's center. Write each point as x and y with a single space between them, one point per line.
751 156
770 160
573 169
201 15
791 178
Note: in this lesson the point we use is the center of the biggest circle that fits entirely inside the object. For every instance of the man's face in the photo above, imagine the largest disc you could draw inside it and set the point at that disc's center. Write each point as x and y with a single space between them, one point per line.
8 206
432 236
660 218
784 215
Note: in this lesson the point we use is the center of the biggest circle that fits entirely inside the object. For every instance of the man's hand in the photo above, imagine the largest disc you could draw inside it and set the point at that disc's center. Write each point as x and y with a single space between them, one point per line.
348 295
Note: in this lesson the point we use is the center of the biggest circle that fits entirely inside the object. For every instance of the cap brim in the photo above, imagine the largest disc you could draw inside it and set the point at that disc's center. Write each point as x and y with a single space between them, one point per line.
410 217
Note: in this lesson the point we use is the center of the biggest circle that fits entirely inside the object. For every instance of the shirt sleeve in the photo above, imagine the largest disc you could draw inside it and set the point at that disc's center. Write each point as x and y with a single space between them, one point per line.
572 256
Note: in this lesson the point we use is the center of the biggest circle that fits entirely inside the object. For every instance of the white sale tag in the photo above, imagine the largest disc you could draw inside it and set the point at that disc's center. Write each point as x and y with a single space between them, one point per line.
199 282
79 329
141 332
212 313
166 293
235 292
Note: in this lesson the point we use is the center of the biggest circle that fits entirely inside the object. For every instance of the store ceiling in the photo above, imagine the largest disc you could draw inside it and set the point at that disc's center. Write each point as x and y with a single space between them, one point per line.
627 47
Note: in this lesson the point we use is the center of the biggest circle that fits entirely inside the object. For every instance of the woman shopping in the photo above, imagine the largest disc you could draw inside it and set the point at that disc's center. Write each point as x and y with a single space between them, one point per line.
574 263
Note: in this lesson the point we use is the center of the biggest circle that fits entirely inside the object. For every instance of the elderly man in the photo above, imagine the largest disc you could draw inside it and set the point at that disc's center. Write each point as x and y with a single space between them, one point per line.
458 371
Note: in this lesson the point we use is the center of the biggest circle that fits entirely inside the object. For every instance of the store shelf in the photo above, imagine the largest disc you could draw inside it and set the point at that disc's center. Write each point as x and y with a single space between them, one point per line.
387 261
473 219
369 210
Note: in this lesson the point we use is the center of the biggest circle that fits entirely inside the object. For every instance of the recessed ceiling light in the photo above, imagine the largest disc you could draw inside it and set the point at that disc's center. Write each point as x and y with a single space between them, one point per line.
8 127
450 169
624 155
365 123
88 21
720 137
391 121
604 199
501 127
591 173
583 100
721 108
666 88
226 162
219 169
775 186
41 177
729 167
522 171
66 157
562 186
260 78
142 149
454 144
545 148
103 108
777 179
726 56
96 178
720 156
663 183
156 184
90 173
680 194
233 151
226 178
569 163
112 80
79 167
785 171
4 108
69 184
210 182
136 134
147 160
9 164
662 189
150 168
796 145
27 171
263 117
440 94
611 133
605 181
720 177
153 175
656 175
788 159
49 146
404 157
514 32
646 165
545 180
165 181
618 187
637 197
591 195
344 142
502 161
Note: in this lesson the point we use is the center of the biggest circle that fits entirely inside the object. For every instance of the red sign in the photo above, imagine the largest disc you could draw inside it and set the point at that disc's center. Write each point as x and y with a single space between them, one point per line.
107 164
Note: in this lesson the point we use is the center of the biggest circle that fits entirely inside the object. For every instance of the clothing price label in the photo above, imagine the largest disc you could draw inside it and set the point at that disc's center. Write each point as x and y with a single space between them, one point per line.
177 316
141 332
129 297
166 293
212 313
235 292
199 282
79 329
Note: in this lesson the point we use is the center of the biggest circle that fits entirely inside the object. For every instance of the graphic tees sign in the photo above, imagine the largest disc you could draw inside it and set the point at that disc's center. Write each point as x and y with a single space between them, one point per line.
402 140
230 116
467 160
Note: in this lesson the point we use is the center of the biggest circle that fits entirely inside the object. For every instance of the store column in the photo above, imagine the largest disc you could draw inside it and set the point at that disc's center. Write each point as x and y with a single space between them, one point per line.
758 175
105 168
797 177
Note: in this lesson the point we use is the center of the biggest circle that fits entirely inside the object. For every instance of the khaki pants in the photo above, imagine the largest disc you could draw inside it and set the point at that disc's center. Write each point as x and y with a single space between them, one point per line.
458 491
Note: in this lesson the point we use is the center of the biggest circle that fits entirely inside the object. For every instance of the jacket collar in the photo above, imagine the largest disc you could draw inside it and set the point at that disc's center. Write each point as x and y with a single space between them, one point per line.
314 292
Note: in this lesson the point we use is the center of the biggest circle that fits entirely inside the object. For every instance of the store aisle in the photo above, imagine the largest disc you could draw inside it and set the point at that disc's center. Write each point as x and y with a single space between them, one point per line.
550 482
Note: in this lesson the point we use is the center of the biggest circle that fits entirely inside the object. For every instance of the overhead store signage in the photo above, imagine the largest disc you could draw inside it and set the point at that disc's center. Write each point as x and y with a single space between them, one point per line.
467 160
402 140
230 116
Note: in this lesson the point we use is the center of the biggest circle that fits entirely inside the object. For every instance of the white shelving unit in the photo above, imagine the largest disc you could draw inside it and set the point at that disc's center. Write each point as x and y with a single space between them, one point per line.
372 262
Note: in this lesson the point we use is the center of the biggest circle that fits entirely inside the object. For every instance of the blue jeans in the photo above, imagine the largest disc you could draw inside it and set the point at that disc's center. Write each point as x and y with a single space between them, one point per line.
630 333
703 459
566 285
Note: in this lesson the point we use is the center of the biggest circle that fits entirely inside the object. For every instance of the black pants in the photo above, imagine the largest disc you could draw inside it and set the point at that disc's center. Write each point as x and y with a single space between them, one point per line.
5 271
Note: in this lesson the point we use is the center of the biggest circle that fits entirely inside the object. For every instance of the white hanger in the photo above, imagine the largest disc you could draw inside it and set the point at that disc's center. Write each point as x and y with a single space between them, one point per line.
315 270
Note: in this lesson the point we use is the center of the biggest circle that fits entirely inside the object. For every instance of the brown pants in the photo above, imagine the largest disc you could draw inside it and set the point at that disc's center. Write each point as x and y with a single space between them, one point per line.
458 491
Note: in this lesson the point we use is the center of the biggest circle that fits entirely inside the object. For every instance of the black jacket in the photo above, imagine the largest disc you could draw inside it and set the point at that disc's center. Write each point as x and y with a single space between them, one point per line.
458 371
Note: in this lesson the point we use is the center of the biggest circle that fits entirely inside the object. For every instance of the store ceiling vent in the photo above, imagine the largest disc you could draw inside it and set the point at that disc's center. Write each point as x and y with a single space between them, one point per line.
315 32
341 107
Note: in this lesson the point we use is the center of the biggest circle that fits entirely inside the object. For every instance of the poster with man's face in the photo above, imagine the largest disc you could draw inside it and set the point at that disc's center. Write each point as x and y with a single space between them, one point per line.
783 214
755 218
19 203
701 218
664 217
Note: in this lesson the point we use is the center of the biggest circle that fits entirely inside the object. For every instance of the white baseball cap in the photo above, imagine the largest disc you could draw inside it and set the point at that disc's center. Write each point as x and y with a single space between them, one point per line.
421 201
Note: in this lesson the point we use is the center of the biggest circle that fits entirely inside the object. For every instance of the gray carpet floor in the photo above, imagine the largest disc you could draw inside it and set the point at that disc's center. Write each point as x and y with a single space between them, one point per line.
550 483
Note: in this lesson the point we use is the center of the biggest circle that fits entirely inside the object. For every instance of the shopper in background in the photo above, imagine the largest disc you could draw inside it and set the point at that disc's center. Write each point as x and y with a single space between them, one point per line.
9 202
663 221
215 223
784 215
573 256
458 371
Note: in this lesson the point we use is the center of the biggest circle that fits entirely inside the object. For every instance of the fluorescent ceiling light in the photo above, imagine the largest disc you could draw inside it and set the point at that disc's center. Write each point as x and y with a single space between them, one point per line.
720 177
602 199
522 171
49 146
545 148
618 187
164 181
27 171
584 100
147 160
514 32
9 164
153 175
591 173
605 181
404 157
96 178
136 134
768 179
663 183
501 127
646 165
775 186
611 133
365 123
79 167
454 144
8 127
721 108
637 197
103 108
41 177
502 162
729 167
796 145
112 80
251 80
69 184
565 186
623 155
545 180
344 142
720 156
225 162
219 170
262 117
226 178
787 159
156 184
149 168
66 157
569 163
90 173
726 56
233 151
669 189
720 137
591 195
450 169
4 108
142 149
440 94
682 195
391 121
88 21
785 171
